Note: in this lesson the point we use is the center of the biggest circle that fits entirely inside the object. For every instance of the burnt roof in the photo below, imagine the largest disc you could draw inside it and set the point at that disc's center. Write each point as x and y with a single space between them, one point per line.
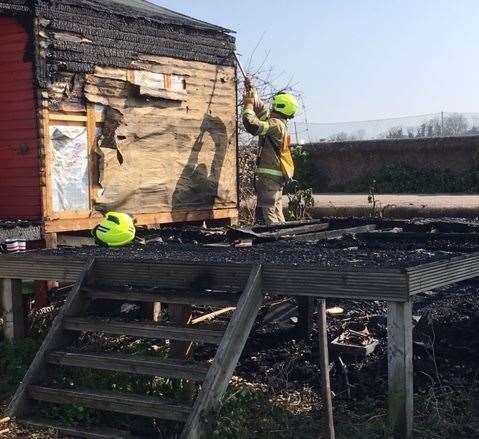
154 12
141 9
15 6
78 35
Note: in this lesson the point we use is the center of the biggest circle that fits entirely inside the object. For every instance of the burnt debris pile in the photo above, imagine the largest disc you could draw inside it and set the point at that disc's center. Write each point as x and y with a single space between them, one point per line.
335 243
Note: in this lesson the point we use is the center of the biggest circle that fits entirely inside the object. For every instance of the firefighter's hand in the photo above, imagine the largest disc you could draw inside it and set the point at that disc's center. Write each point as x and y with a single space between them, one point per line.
248 84
249 97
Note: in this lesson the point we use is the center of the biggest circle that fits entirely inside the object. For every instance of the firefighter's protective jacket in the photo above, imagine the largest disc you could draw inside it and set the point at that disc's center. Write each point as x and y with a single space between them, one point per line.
272 131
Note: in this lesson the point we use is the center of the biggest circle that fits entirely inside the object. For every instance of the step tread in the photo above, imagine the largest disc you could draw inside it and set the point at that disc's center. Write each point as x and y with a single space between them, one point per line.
144 330
83 432
182 297
132 404
169 368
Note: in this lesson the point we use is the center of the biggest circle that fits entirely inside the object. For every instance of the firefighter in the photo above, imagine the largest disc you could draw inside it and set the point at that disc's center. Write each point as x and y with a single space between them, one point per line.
275 165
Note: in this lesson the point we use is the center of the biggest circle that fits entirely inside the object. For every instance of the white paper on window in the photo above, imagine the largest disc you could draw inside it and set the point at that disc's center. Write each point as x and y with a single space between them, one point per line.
70 180
178 83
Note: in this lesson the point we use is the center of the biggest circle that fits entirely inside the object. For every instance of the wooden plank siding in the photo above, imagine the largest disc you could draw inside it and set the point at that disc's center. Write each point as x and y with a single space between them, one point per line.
19 167
167 99
161 89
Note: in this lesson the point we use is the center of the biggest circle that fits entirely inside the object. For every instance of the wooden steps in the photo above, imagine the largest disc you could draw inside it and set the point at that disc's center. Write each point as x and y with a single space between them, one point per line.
180 297
143 330
113 402
214 377
82 432
167 368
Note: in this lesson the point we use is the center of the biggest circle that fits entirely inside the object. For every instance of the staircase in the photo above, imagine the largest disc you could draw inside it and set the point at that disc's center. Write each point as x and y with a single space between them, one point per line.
72 321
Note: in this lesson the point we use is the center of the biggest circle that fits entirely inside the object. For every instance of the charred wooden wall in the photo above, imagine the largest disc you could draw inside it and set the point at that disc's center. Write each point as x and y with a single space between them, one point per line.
83 35
162 146
15 7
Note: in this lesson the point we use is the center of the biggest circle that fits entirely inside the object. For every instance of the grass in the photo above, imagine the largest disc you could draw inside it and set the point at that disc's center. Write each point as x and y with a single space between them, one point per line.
14 361
440 413
252 412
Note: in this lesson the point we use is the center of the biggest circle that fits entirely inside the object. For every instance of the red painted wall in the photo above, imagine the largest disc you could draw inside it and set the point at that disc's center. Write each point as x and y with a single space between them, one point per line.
19 168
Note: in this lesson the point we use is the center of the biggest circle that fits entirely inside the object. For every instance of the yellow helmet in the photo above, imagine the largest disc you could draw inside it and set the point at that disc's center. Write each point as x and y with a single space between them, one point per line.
115 230
285 104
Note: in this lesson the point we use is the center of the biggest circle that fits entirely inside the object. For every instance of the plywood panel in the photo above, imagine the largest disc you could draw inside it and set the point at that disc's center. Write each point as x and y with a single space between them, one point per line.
167 154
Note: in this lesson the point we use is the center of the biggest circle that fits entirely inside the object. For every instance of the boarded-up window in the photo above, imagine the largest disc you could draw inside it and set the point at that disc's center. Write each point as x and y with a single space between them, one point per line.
159 85
70 181
178 83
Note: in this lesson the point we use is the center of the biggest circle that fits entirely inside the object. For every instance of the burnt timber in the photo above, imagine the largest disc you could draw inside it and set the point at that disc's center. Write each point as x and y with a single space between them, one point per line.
215 377
150 95
392 284
397 286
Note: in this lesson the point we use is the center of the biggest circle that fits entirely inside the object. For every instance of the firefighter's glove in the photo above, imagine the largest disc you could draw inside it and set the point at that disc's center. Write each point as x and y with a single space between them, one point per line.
250 95
249 98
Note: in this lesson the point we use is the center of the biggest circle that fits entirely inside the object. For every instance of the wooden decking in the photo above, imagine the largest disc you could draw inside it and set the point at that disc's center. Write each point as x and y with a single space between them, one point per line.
396 286
388 284
74 319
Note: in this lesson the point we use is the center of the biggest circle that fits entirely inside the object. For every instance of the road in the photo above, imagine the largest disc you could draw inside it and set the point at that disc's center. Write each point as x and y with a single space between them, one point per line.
402 205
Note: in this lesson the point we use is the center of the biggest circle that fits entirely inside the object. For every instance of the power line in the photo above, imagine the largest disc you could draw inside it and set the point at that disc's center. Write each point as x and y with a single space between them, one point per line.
471 115
425 125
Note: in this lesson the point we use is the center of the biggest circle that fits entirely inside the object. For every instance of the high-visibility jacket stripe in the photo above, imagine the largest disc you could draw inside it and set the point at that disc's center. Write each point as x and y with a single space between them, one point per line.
263 125
267 171
264 128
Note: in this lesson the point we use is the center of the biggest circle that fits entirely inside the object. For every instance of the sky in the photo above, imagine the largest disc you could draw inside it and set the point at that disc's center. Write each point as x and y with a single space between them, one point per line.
356 60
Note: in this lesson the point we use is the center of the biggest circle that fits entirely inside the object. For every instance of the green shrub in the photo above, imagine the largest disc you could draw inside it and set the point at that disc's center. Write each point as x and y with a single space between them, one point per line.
401 178
394 178
306 173
299 202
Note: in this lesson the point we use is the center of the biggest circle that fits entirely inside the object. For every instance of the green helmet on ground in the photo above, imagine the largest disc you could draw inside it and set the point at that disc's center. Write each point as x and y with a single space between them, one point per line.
285 104
115 230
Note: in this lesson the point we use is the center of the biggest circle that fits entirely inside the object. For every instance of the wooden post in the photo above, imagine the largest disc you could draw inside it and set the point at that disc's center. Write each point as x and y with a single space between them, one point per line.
40 287
156 311
232 221
325 382
93 184
305 316
40 292
12 304
51 240
180 315
153 311
400 370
